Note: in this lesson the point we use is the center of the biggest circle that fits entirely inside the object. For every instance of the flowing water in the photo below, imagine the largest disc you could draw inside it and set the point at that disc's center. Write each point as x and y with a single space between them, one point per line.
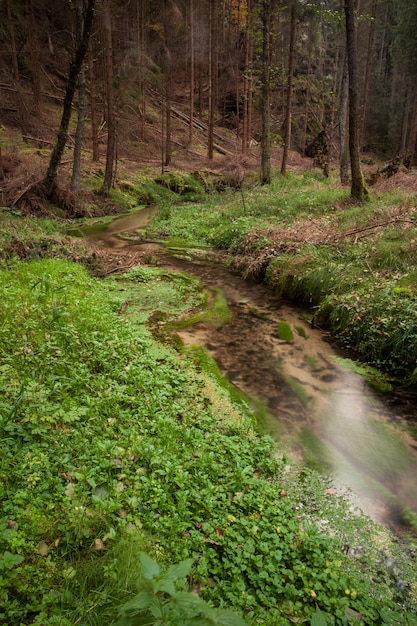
326 414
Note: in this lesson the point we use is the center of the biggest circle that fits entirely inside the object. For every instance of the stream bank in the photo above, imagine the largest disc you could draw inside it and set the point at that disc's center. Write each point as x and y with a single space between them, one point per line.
324 413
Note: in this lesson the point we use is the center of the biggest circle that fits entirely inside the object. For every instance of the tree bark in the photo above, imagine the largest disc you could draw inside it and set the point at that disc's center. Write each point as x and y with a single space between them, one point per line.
111 117
412 138
75 67
266 13
288 111
167 76
367 78
343 125
212 77
15 66
192 73
34 56
93 104
359 190
79 134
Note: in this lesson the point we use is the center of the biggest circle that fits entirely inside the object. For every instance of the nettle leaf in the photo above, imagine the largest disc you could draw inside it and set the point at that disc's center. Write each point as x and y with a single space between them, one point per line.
318 619
139 603
192 605
9 560
168 587
179 570
150 568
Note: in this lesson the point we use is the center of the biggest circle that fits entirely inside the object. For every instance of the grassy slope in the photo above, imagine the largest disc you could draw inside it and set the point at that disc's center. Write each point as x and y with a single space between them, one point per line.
354 266
112 444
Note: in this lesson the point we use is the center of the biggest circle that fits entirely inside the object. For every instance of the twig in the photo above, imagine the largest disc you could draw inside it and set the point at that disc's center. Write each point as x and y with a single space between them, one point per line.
379 225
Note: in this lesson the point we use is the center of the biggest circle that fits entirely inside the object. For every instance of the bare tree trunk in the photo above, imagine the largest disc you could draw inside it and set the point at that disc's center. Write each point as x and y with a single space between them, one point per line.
247 100
266 14
79 134
192 73
15 65
212 77
167 77
75 67
359 190
288 113
34 56
370 51
407 112
111 118
93 104
412 138
343 124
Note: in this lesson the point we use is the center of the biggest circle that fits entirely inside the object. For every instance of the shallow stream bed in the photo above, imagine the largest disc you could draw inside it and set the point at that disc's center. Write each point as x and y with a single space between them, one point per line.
326 415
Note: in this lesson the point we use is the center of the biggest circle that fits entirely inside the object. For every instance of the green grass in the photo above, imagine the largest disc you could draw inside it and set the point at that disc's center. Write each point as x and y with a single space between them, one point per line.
362 286
113 444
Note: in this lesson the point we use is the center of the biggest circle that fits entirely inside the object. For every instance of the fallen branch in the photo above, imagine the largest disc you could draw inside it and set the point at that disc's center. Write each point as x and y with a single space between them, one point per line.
355 231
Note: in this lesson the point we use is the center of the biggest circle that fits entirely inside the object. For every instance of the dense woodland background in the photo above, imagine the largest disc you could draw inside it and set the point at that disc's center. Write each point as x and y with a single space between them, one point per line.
253 67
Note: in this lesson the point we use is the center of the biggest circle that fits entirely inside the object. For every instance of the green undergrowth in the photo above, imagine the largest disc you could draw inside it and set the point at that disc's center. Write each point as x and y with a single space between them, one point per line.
360 281
114 445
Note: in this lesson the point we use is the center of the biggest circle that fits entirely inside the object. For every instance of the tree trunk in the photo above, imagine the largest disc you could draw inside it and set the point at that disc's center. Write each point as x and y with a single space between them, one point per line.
412 137
75 67
266 13
212 77
167 77
288 112
359 190
79 134
111 117
343 124
34 56
192 73
93 104
367 78
15 66
247 99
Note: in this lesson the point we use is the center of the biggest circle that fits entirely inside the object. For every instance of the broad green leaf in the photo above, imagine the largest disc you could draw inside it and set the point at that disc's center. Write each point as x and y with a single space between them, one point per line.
139 603
168 587
150 568
192 604
9 560
179 570
318 619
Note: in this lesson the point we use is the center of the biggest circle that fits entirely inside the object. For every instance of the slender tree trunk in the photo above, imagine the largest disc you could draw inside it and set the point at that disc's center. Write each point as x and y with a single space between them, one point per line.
405 123
288 113
412 138
266 14
167 77
15 66
359 190
93 104
306 105
79 134
367 78
343 124
75 67
212 77
111 118
247 99
192 73
34 56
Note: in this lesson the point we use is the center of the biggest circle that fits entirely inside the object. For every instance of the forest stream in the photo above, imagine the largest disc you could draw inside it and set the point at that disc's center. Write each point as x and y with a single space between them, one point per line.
325 414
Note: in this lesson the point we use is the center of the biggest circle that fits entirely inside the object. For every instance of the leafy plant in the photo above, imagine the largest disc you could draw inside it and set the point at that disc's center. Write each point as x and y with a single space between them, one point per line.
163 599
